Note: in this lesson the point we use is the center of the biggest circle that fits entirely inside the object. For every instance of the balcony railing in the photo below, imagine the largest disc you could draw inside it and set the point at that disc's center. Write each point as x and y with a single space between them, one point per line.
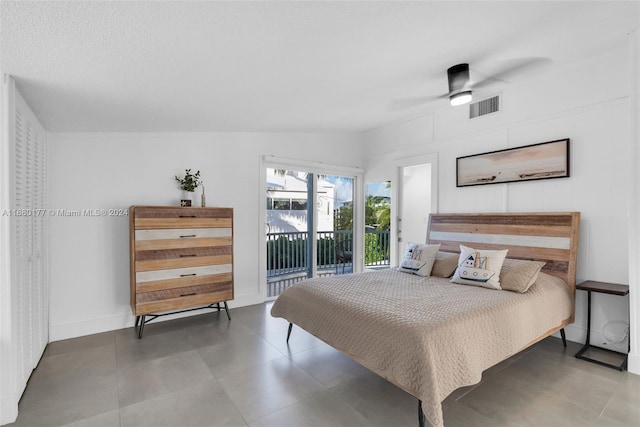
287 255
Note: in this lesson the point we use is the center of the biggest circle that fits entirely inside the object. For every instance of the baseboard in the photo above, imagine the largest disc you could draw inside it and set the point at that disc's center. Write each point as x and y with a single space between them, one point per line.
9 409
63 331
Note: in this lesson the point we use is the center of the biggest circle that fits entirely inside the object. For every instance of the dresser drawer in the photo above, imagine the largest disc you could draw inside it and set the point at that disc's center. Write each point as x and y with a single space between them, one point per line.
179 273
148 240
179 258
173 299
150 245
145 218
158 223
179 212
183 253
182 233
183 282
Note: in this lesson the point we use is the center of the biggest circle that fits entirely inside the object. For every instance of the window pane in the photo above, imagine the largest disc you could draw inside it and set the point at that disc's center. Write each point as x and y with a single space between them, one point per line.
299 205
282 204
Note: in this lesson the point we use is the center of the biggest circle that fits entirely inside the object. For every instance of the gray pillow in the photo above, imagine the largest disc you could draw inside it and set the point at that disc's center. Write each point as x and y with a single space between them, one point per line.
517 275
445 264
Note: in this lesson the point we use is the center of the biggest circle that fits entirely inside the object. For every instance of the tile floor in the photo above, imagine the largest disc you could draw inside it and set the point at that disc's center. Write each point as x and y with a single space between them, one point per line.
207 371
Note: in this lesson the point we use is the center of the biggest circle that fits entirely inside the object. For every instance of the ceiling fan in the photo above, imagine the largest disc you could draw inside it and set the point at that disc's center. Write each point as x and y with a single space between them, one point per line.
460 92
461 86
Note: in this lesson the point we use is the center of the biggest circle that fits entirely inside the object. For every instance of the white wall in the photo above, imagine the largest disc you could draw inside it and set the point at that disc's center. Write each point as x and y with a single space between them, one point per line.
588 103
89 256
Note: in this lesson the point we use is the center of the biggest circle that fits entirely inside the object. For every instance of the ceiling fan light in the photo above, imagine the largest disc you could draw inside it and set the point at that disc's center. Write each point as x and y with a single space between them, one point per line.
460 98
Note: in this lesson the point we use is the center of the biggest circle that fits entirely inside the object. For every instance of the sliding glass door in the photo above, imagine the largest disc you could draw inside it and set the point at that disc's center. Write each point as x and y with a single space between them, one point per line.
309 220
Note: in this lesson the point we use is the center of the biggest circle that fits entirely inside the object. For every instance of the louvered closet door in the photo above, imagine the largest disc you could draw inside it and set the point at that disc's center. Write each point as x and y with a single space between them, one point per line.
40 295
23 243
29 228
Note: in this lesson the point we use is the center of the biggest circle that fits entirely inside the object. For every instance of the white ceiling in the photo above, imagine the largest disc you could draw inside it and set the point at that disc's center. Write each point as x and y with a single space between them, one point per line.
279 66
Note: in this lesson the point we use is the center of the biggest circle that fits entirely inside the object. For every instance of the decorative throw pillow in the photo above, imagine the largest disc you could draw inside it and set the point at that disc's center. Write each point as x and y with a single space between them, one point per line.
518 275
479 267
446 263
418 259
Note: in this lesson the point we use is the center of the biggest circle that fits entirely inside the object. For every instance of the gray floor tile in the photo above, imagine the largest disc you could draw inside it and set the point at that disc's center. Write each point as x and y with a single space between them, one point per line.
379 401
605 421
320 409
130 349
238 354
80 344
259 319
300 340
77 364
328 365
458 415
107 419
69 387
570 383
265 388
147 379
204 404
228 328
624 406
507 400
459 393
263 309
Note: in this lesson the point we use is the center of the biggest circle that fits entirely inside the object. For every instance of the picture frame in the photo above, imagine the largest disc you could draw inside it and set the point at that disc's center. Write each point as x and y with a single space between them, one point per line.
544 160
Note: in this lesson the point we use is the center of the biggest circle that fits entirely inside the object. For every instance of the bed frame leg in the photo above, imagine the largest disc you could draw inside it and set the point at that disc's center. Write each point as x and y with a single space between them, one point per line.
289 331
421 417
564 338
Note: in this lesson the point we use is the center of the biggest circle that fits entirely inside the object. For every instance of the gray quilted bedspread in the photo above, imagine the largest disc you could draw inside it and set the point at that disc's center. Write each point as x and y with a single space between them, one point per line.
424 334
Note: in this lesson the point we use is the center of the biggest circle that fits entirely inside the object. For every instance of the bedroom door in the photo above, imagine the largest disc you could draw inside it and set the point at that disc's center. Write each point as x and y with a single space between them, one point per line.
377 225
416 200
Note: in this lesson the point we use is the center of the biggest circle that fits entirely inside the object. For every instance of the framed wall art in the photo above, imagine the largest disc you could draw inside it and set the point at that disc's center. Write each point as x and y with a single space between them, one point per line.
545 160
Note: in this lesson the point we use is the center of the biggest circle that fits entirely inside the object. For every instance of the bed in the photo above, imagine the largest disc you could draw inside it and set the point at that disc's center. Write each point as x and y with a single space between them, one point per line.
429 336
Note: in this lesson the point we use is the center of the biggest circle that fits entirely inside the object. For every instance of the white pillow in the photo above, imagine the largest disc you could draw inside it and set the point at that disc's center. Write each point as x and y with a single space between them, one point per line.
479 267
419 258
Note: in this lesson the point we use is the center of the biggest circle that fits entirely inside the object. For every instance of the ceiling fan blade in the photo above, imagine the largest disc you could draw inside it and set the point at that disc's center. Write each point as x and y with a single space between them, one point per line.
404 103
517 68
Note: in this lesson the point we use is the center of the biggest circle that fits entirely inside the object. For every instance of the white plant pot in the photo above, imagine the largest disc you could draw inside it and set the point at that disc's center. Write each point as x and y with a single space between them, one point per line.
187 199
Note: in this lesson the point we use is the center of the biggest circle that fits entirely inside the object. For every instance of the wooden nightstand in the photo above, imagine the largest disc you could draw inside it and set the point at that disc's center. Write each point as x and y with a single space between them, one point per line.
609 358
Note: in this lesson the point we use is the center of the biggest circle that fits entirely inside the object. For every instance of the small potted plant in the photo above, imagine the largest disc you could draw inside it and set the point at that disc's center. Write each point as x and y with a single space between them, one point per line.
188 185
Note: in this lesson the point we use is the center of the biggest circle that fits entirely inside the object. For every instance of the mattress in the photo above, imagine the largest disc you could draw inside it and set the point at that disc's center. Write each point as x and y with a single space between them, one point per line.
426 335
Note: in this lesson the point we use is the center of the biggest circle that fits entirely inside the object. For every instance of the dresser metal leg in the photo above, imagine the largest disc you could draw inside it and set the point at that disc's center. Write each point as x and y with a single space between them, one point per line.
137 321
226 309
141 328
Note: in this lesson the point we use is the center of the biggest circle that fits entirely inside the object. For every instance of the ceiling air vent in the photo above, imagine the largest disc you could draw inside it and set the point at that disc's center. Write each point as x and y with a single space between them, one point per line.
484 107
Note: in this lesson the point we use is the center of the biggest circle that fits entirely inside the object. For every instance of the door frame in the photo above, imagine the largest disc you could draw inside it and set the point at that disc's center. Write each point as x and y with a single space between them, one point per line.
396 195
275 162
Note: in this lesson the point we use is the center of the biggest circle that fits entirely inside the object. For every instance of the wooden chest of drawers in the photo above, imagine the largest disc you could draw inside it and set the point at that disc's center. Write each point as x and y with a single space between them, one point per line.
181 258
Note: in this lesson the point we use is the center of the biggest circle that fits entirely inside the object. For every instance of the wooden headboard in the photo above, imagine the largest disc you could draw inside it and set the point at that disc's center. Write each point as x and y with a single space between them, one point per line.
548 237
